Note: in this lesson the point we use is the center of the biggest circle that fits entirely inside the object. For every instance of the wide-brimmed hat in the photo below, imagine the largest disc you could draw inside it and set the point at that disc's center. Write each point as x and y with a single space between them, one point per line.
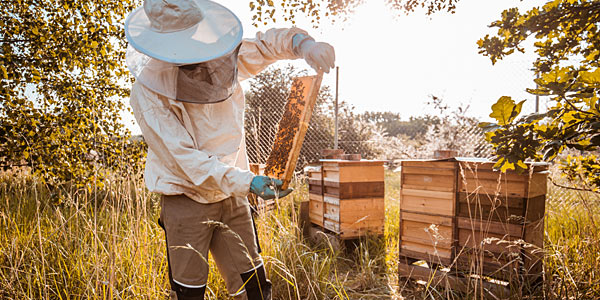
183 31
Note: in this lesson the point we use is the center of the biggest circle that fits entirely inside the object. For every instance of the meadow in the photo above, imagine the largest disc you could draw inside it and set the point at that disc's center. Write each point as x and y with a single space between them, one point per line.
105 243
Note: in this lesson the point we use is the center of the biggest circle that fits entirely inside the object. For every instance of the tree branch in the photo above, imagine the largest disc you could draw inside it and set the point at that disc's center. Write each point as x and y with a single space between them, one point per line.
571 187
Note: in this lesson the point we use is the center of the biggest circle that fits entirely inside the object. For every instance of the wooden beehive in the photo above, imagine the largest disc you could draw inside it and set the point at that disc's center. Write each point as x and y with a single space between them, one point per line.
495 213
427 209
461 212
347 197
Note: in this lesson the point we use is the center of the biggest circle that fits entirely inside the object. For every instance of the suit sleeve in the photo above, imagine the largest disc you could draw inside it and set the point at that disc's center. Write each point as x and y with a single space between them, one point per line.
266 48
171 142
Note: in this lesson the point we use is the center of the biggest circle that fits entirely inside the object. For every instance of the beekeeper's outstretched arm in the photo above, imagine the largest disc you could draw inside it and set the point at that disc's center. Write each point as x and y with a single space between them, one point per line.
283 43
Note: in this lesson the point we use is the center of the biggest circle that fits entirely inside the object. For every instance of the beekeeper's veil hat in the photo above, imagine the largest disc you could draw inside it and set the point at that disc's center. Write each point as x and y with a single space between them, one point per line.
184 49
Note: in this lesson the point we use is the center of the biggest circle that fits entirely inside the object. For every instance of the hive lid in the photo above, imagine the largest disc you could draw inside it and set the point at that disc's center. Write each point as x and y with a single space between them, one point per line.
538 166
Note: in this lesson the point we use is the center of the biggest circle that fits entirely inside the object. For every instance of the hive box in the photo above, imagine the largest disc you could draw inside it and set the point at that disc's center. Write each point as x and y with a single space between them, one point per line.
461 212
347 197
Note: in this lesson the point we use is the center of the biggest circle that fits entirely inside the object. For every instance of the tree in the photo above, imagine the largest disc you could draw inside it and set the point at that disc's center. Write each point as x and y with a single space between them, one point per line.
62 78
266 11
568 47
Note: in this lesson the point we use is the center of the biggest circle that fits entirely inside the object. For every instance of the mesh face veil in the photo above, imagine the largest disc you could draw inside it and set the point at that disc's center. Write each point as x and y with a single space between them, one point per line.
206 82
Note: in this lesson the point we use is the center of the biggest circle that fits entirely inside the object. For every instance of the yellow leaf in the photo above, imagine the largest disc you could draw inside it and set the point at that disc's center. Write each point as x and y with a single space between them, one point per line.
502 110
4 72
507 166
590 77
94 44
521 164
35 30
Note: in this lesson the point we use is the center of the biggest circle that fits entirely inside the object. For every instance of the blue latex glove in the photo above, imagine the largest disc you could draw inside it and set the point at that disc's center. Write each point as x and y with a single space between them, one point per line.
266 187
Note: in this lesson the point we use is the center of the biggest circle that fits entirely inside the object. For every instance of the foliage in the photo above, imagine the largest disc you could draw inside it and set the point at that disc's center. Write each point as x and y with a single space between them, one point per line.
568 47
584 170
108 245
392 124
448 130
266 11
62 71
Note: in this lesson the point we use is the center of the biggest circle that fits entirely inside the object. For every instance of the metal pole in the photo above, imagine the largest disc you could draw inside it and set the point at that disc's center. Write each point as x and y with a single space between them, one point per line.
335 137
537 97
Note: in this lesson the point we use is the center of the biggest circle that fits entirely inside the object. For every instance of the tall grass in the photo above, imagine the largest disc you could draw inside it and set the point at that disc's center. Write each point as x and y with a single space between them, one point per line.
106 244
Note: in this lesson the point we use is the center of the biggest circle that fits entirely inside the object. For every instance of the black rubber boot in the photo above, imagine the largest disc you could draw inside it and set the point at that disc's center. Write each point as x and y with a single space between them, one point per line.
182 292
256 284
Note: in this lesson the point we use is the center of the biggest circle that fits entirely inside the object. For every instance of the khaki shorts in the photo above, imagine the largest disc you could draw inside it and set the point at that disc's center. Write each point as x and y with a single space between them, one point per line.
225 228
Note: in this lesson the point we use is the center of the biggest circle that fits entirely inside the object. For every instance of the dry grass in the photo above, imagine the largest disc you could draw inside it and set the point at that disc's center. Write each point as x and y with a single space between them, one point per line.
107 245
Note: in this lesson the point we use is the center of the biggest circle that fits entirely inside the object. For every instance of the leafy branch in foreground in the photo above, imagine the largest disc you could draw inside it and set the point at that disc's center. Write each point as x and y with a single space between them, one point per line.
266 11
61 83
568 47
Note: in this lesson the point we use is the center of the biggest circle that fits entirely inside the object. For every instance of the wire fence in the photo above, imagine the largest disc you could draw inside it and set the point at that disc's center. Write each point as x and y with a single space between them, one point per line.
265 106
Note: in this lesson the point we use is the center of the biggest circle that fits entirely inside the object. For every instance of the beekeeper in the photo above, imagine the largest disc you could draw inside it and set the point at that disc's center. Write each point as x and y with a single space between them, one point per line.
188 57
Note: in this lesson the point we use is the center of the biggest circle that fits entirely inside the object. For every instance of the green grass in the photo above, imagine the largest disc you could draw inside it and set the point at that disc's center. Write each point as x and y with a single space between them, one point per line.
107 245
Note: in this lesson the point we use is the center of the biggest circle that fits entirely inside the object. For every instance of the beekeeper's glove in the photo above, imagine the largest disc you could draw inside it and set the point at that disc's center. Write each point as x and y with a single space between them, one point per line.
320 56
266 187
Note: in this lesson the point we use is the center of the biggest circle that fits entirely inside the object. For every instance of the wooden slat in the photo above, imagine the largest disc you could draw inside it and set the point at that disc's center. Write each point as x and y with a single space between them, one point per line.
488 166
427 188
499 228
426 233
503 201
317 220
332 212
427 251
292 128
429 219
315 197
315 207
355 174
332 200
314 176
427 205
533 249
317 182
488 241
493 213
333 163
428 164
433 182
493 187
349 190
437 278
538 185
315 189
331 225
428 194
352 233
427 171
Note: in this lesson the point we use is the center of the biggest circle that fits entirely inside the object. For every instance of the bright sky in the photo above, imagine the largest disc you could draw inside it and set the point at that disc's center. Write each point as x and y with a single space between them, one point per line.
393 63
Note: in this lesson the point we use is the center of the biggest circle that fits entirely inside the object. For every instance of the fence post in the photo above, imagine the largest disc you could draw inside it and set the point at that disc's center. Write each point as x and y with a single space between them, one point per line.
335 136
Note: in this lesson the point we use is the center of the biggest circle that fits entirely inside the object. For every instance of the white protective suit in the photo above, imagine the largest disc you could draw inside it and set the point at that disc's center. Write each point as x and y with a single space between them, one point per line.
198 149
